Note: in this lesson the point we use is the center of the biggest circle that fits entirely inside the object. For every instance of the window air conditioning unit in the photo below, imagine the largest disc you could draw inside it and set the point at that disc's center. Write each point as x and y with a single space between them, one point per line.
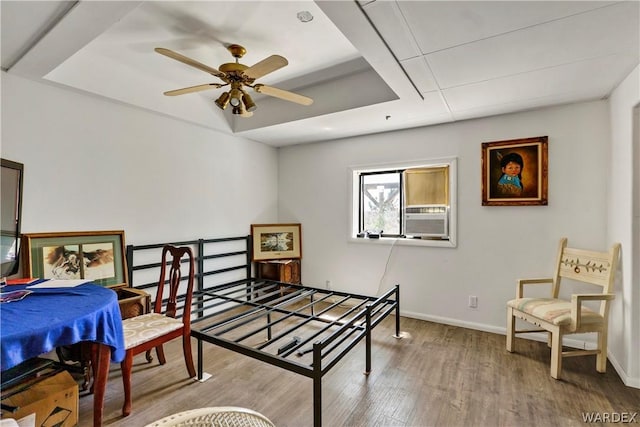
426 221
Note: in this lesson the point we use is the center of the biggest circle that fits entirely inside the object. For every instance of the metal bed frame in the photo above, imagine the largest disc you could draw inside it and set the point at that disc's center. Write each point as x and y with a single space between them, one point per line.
302 329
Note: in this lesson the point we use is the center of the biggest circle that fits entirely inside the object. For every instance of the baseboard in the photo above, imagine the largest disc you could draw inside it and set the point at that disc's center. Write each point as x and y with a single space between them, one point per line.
626 379
537 336
454 322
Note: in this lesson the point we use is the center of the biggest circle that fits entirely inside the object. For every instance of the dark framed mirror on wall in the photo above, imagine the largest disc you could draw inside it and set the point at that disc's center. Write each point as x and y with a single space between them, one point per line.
10 215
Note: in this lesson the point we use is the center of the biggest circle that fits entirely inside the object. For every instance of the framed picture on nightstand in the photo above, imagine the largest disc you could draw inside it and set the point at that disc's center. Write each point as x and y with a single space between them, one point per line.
276 241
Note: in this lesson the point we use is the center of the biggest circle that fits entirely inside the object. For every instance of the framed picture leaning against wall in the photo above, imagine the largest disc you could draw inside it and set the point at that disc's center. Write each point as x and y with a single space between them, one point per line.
93 255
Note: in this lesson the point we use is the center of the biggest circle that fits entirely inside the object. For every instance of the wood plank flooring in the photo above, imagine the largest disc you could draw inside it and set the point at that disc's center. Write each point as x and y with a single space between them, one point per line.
436 375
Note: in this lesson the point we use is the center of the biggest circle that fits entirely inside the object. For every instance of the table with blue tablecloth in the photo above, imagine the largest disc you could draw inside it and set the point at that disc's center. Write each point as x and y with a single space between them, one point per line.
52 317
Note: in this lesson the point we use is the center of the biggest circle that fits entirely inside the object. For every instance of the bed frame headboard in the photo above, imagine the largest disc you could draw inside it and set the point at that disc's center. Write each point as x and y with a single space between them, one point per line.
219 259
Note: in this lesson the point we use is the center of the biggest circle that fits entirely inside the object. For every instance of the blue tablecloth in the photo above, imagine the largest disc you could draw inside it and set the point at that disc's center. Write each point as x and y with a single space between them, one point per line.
54 317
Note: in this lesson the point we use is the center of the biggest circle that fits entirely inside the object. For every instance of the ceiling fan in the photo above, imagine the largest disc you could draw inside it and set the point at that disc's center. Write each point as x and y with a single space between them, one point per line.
237 76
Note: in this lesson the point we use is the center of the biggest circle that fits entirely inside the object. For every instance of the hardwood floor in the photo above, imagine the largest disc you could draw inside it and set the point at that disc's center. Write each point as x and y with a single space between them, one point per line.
436 375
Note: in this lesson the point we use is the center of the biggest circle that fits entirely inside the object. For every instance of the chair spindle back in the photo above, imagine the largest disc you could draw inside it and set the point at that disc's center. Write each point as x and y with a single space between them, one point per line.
174 279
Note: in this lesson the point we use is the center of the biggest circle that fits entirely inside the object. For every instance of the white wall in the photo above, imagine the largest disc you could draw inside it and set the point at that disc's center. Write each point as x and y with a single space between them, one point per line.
496 245
624 225
92 164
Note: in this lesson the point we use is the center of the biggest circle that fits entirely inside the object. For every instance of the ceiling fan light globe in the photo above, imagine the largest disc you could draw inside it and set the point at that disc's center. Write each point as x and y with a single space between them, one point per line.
249 105
236 97
223 100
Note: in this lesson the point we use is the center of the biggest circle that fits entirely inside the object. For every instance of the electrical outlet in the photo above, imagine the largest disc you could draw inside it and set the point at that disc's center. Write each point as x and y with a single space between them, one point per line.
473 301
328 284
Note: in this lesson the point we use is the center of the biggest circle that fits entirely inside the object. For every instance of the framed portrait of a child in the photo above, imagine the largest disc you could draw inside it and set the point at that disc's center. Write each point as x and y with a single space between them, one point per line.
514 172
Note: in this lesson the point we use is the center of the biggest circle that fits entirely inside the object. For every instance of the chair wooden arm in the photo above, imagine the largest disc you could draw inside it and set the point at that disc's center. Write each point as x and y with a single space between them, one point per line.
522 282
576 306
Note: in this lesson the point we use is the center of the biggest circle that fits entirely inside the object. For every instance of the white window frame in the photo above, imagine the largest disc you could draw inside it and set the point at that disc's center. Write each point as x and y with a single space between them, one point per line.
354 206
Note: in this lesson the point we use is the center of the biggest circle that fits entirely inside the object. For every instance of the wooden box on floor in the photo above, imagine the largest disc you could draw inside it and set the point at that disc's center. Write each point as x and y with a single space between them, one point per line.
53 401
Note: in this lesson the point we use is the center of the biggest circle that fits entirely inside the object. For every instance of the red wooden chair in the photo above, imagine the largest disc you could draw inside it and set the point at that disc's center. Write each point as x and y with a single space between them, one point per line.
143 333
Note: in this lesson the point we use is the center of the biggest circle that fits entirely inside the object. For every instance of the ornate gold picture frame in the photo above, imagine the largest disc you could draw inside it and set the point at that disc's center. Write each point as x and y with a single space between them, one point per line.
514 172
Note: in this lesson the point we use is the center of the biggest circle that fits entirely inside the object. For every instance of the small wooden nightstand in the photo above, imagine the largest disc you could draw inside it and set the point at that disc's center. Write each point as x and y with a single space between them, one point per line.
282 270
133 302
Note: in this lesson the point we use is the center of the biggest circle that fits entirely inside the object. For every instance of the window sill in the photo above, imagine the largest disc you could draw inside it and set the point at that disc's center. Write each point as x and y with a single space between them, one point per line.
403 242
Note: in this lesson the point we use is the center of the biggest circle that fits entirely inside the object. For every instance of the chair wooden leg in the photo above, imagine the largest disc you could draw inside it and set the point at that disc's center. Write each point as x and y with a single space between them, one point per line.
511 325
556 354
160 353
188 357
601 358
126 366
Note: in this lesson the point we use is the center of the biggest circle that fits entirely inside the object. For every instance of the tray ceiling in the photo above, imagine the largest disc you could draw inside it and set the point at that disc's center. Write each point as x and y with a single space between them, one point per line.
370 66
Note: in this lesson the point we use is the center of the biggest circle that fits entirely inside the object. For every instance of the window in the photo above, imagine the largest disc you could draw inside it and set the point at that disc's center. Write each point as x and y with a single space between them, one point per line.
412 203
380 202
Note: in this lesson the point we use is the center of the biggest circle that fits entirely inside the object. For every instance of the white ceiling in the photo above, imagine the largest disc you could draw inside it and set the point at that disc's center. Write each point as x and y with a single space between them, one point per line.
370 66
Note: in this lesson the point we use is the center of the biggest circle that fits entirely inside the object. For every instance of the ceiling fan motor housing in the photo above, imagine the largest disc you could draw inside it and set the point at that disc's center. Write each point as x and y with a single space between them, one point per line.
234 69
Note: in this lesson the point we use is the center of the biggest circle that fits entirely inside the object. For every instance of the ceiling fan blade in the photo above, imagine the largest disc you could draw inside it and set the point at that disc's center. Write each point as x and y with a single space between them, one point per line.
266 66
191 62
283 94
191 89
